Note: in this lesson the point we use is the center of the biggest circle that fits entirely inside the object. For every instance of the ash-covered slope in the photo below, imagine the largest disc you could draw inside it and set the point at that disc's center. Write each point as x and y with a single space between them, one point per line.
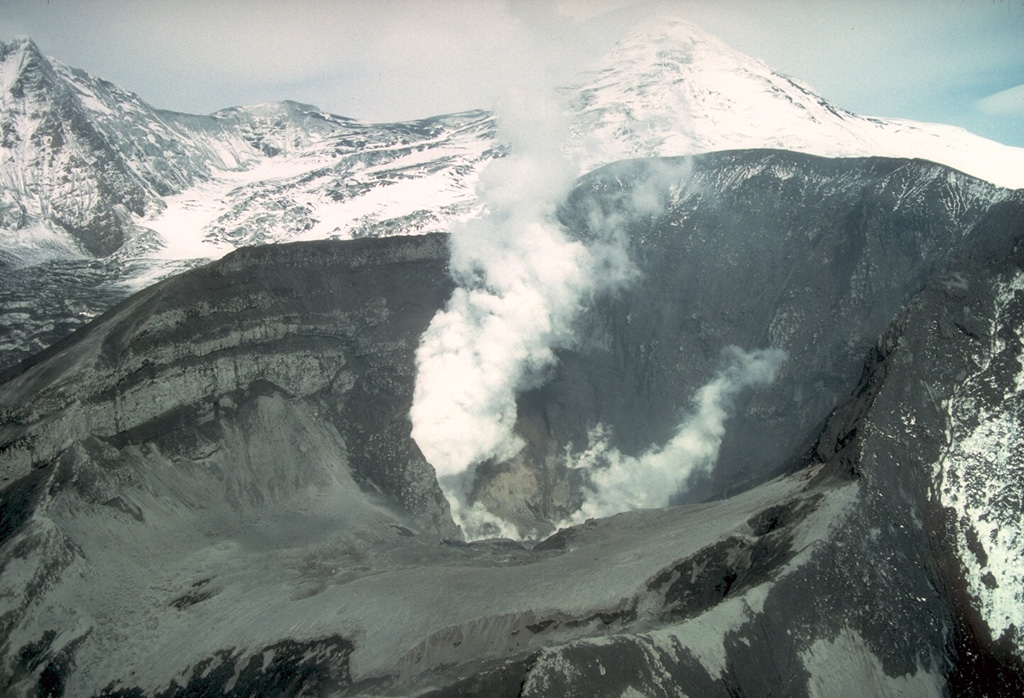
232 447
182 351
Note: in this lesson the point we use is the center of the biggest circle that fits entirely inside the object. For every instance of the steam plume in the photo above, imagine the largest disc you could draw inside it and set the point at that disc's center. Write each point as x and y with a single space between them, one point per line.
521 283
621 483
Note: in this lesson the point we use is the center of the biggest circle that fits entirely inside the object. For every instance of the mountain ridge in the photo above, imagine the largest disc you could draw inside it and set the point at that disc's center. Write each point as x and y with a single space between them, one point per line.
162 190
159 154
668 88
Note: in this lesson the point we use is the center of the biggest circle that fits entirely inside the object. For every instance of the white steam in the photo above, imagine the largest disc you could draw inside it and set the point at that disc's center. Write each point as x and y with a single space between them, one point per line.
521 284
622 483
476 521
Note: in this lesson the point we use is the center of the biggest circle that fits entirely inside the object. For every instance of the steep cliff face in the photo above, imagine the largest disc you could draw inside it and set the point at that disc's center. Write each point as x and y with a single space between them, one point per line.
943 431
57 168
235 409
335 325
914 474
757 249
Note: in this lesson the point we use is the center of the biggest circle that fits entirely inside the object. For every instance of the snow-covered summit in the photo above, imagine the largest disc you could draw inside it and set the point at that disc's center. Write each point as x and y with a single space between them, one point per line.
670 88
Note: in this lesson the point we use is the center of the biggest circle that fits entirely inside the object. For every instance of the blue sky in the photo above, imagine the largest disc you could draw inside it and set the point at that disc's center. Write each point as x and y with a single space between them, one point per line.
950 61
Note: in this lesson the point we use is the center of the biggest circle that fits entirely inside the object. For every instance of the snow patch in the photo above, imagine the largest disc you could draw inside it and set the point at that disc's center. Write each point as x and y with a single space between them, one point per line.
979 477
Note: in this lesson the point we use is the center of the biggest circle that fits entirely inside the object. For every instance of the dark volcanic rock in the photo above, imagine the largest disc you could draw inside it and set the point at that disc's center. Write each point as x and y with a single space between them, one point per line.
758 249
42 304
941 446
334 325
310 668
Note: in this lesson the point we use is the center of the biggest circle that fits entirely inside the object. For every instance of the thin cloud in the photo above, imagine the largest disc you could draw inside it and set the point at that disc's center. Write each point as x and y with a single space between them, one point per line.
1009 102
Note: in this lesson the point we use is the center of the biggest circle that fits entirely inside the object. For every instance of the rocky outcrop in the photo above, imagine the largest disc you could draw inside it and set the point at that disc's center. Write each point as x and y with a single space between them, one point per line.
318 322
942 433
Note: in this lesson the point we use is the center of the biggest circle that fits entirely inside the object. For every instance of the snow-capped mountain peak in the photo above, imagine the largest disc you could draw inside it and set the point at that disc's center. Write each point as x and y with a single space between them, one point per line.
670 88
661 45
87 168
15 56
